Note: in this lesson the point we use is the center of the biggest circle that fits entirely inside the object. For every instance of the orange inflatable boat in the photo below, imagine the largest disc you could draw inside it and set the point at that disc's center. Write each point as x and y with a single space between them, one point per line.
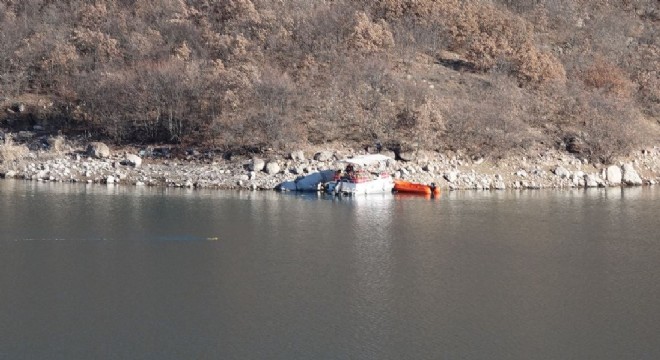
416 188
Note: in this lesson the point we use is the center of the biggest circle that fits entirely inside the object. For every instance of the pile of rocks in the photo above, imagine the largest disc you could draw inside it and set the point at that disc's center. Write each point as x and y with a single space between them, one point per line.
97 163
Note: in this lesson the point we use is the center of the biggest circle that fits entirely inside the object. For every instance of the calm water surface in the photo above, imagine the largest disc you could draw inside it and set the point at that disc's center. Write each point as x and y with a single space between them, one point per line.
94 272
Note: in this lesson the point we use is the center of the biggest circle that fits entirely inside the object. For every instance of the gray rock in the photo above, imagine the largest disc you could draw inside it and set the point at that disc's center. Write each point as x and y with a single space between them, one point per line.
498 184
630 175
613 175
110 180
272 168
98 150
297 155
485 183
521 173
451 176
257 164
389 153
562 172
592 180
10 174
407 155
323 156
133 160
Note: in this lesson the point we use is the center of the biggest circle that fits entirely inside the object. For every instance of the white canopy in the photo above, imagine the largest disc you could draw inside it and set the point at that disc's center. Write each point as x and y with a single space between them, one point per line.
364 160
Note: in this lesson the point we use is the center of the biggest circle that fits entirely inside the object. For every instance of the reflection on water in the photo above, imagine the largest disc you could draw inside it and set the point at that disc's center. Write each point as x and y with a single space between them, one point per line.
120 272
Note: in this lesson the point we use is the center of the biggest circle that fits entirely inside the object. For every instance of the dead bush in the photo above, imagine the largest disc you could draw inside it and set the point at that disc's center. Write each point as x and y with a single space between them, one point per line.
490 127
612 129
369 36
56 144
11 153
536 66
607 77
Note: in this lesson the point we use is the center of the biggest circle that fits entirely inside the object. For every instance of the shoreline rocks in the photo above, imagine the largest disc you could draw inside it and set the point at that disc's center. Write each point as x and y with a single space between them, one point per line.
97 163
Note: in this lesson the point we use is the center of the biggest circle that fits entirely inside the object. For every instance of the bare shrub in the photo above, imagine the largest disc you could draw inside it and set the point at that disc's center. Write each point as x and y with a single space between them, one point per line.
492 126
10 152
369 36
605 126
613 128
537 66
412 35
607 77
322 31
273 119
646 77
423 125
56 144
100 46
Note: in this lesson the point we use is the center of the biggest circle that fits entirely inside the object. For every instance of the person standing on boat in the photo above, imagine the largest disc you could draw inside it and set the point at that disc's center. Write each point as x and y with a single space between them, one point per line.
350 170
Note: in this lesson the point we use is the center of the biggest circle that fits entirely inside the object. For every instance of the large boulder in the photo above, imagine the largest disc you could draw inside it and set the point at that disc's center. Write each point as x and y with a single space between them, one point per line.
592 180
630 175
272 168
562 172
133 160
10 174
98 150
257 164
498 183
451 176
297 155
613 175
406 155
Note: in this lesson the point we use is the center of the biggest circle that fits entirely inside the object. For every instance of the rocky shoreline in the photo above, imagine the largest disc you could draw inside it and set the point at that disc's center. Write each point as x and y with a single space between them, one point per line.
58 160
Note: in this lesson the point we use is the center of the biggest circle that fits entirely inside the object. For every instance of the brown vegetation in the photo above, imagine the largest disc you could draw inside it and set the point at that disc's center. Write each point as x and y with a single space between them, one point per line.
482 77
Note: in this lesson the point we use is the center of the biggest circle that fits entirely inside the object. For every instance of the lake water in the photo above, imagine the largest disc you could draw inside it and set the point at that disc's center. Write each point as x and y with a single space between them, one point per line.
95 272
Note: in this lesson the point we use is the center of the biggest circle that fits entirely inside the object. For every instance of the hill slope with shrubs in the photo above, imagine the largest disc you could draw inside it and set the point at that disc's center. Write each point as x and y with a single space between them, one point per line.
483 77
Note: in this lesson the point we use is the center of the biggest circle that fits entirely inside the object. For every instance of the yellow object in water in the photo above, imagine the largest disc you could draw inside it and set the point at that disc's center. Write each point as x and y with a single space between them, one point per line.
212 238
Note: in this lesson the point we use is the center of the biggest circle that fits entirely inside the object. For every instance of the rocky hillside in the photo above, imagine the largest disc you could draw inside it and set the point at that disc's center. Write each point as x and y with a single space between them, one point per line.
488 78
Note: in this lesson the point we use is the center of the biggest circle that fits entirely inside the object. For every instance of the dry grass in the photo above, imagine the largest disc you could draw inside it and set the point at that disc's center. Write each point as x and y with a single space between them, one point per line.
10 153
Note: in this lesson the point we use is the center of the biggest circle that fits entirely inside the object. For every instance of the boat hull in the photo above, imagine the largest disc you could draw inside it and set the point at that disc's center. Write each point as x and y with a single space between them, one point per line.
415 188
347 187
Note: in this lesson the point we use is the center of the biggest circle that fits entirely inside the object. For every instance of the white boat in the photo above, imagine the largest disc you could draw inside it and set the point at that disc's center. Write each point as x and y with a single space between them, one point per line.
363 174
